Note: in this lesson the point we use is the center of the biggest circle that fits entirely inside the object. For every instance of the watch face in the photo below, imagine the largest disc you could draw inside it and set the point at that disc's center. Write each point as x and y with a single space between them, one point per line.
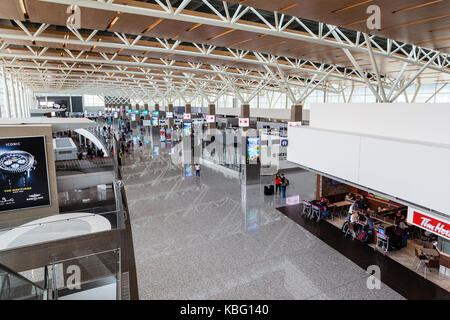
15 161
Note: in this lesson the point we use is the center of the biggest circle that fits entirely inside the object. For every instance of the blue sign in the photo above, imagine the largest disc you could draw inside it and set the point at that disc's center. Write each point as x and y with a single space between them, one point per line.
284 143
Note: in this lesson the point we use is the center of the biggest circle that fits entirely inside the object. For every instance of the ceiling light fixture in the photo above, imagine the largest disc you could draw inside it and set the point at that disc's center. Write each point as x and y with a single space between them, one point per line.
112 23
351 6
288 7
221 34
194 27
154 24
24 9
417 21
417 6
239 42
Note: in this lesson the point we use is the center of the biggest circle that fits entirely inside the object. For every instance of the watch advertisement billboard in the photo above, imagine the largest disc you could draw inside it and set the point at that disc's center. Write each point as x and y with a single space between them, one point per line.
24 181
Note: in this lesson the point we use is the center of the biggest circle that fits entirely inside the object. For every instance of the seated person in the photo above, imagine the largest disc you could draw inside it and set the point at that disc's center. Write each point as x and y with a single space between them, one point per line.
351 209
354 219
349 197
403 226
363 203
323 201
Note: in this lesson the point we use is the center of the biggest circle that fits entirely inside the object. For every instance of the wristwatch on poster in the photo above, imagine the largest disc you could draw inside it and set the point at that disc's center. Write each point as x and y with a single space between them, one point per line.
15 166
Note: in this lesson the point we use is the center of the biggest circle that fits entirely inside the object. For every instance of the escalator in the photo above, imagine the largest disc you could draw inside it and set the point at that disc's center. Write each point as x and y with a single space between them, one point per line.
14 286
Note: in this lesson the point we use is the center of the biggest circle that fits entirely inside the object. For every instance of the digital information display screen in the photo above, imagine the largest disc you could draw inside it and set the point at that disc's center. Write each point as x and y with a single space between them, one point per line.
145 112
156 113
253 149
155 121
24 179
187 128
133 117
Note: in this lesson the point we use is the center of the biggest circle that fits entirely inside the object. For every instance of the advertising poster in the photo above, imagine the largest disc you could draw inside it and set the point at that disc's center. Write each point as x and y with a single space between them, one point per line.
162 134
169 134
133 117
253 149
155 121
24 181
188 171
187 128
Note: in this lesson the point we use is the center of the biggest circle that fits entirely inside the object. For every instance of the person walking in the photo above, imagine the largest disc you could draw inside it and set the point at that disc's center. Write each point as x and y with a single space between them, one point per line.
119 158
197 170
277 183
284 184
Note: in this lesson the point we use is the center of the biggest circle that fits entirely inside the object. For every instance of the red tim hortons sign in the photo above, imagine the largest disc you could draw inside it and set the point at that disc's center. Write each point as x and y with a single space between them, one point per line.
429 222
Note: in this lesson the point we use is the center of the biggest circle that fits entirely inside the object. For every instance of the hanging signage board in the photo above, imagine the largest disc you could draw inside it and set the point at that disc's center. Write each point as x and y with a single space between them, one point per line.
210 118
169 115
294 124
430 222
187 116
244 122
146 123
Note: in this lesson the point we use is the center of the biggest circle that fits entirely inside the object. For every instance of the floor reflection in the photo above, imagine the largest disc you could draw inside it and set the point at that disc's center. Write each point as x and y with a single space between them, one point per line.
209 237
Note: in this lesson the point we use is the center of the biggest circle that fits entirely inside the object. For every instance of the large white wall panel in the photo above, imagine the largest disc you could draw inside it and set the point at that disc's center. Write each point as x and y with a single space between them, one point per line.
334 153
428 122
418 173
413 172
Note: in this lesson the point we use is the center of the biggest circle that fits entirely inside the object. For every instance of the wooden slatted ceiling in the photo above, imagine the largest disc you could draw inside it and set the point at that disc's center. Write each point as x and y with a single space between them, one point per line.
132 24
411 21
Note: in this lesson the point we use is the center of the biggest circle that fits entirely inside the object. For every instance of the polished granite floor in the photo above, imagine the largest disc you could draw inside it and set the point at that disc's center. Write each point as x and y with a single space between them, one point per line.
210 238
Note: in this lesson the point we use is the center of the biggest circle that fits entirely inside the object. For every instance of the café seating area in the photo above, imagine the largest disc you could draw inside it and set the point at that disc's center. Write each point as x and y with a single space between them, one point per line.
419 254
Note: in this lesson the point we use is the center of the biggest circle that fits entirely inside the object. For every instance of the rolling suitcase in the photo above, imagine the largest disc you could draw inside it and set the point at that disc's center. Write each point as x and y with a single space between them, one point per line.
268 190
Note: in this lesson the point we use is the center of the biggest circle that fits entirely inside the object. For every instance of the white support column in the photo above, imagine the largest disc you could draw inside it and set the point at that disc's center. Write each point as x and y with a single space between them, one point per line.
14 97
22 100
6 94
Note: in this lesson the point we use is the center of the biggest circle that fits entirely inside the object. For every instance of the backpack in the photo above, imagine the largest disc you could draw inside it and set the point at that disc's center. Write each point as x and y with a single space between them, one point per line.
287 182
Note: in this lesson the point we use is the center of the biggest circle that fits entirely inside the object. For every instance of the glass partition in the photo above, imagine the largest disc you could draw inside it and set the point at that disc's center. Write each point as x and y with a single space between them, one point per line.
13 286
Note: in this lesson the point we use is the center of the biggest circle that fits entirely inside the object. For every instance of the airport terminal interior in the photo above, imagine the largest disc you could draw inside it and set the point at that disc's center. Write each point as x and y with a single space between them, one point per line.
224 150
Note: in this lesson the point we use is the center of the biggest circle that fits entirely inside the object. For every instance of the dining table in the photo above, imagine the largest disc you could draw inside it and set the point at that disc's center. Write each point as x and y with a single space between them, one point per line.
430 252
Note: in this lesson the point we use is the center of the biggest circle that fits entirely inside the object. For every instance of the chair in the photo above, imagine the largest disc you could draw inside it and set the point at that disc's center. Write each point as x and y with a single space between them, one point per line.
422 260
343 211
306 208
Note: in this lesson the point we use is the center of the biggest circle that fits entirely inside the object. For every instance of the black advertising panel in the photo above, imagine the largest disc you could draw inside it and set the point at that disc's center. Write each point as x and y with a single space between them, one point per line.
24 179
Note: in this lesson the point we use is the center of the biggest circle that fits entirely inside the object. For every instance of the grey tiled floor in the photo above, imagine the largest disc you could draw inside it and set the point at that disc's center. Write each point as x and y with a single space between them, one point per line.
208 238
